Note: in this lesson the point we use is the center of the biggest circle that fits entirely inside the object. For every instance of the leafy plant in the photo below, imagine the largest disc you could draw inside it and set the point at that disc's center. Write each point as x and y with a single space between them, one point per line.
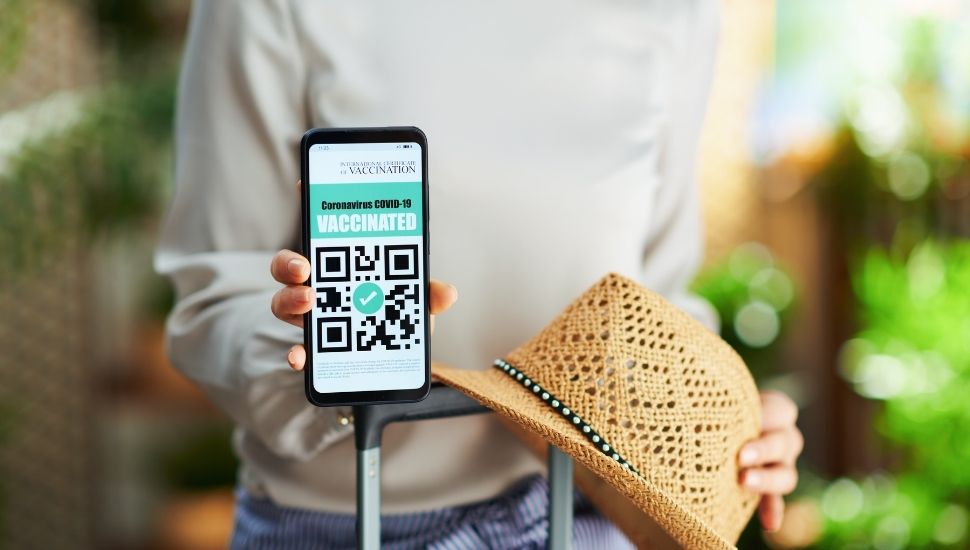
913 354
106 172
753 298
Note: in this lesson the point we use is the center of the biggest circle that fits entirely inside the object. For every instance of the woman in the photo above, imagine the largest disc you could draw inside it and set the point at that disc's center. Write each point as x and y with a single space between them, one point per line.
563 138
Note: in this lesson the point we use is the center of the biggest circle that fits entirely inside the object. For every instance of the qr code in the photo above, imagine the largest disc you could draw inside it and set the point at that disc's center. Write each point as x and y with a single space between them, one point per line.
368 297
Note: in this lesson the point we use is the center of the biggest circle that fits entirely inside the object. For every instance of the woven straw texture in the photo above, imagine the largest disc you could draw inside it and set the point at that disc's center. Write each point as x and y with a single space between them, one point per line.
671 397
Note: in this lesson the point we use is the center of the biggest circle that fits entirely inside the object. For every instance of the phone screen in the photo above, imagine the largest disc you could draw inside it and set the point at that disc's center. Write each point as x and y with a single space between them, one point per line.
365 228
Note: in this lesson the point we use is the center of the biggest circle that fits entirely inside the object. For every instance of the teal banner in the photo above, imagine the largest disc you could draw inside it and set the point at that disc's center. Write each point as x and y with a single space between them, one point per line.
365 209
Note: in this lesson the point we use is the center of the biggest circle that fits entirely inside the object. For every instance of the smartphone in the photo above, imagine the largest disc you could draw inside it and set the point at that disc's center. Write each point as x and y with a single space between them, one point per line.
365 232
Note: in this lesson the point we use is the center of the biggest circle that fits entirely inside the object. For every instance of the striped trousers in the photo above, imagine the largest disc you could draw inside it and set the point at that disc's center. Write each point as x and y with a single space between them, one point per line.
516 519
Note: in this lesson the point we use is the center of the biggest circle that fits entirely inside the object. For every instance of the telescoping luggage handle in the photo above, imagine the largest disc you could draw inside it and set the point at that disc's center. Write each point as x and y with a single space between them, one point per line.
442 402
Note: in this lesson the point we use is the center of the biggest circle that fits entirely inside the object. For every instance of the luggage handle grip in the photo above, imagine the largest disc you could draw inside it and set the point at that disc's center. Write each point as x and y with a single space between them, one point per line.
442 402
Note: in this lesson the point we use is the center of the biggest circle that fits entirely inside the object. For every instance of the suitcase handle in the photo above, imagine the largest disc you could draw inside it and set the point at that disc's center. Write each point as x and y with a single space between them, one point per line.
442 402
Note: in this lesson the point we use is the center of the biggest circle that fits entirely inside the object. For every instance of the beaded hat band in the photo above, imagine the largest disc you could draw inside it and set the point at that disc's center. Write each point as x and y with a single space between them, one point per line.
584 428
652 406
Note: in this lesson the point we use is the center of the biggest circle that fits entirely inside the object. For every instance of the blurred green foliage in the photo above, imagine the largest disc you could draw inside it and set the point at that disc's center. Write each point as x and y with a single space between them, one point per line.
896 190
877 92
882 511
753 298
102 172
107 172
899 172
913 354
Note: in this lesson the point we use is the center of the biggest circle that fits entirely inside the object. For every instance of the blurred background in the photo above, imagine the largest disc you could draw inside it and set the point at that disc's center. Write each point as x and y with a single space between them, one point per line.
836 190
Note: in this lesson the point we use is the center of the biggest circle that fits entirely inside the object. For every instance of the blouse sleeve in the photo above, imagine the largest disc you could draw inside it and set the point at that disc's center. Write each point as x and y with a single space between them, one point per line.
240 116
675 246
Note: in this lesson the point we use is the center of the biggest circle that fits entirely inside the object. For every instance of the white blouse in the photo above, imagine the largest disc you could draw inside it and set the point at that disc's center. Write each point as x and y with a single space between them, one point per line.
562 141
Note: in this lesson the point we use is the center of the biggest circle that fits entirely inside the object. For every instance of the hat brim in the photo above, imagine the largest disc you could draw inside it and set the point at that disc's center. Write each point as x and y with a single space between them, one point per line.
497 391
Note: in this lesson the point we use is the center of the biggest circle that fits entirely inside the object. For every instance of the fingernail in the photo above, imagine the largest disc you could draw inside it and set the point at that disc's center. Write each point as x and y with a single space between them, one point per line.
455 290
749 456
290 359
752 480
295 267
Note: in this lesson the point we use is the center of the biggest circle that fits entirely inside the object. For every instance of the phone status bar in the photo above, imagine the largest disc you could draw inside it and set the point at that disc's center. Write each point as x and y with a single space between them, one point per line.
324 147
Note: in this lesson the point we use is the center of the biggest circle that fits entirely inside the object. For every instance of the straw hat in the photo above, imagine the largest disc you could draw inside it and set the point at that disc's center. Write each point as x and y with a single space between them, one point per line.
644 397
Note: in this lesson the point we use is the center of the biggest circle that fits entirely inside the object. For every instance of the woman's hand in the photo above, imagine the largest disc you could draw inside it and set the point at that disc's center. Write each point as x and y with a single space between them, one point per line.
768 463
294 299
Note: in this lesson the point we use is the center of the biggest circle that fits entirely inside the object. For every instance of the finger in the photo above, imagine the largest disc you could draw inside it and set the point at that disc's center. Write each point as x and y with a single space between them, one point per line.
771 511
782 446
289 268
296 357
443 296
777 411
775 480
291 302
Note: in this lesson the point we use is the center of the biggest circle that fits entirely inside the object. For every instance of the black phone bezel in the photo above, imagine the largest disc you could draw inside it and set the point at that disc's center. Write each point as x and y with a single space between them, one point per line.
393 134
